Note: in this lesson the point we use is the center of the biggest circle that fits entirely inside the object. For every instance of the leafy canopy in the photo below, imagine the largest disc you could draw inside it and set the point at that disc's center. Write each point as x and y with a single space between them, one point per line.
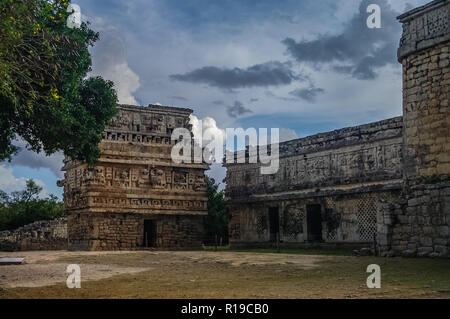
24 207
45 97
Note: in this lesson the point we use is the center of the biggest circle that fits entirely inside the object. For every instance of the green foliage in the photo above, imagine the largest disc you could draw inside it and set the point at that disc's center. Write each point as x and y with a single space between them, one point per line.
24 207
44 96
216 223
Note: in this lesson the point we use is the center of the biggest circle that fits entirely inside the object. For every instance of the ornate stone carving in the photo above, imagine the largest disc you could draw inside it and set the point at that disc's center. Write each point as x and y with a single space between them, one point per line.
135 174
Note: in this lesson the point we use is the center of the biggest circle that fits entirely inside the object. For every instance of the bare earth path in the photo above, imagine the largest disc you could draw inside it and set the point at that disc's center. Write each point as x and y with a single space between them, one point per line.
202 274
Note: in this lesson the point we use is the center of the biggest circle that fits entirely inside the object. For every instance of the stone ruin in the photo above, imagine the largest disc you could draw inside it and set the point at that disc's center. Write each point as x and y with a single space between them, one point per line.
135 196
384 185
40 235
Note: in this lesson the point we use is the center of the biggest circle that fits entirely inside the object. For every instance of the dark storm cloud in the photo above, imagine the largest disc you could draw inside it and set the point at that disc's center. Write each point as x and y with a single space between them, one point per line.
272 73
31 159
237 109
358 50
307 94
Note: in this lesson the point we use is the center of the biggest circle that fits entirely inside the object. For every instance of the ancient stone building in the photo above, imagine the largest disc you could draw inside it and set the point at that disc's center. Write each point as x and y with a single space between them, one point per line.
326 188
385 182
136 196
419 222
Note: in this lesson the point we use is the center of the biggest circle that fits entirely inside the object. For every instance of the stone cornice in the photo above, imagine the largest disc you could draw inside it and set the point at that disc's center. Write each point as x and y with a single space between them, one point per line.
424 27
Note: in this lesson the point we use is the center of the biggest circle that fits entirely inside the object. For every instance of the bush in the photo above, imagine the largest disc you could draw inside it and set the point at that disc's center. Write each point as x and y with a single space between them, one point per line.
24 207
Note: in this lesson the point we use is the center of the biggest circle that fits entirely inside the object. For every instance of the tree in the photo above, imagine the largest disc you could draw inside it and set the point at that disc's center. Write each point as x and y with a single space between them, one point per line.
23 207
216 223
45 97
31 192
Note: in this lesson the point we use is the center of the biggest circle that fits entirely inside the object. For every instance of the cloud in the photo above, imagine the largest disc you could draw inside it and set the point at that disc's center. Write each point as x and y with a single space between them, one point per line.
307 94
109 61
200 126
9 183
32 159
272 73
126 82
237 109
358 50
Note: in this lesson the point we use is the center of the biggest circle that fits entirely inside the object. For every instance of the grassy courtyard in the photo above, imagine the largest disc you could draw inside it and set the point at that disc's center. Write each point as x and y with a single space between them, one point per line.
222 274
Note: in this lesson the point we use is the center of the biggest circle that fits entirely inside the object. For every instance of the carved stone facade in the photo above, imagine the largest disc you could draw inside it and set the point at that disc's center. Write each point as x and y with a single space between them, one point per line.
339 176
136 196
386 182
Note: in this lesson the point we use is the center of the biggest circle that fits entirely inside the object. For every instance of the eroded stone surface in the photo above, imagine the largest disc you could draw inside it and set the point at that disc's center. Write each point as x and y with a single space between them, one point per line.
386 182
41 235
136 180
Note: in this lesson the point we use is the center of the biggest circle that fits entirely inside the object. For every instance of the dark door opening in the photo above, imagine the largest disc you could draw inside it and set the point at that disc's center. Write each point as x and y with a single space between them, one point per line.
149 233
314 222
274 223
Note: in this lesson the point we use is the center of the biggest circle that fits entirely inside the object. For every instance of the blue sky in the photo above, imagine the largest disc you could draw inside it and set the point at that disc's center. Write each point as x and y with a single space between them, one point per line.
303 66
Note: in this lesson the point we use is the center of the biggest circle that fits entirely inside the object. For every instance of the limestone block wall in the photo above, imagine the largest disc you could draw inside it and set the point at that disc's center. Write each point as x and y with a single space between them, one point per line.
418 223
345 218
346 172
426 94
40 235
425 56
370 153
135 179
109 231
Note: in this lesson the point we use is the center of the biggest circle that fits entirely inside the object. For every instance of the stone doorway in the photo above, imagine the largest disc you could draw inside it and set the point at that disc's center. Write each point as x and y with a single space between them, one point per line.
149 233
274 223
314 222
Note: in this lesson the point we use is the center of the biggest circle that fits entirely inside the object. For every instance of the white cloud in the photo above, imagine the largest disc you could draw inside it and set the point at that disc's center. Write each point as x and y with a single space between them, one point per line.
126 82
208 123
109 60
9 183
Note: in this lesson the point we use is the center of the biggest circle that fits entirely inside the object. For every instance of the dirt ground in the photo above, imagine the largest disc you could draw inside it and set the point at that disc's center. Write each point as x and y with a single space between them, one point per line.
42 268
225 274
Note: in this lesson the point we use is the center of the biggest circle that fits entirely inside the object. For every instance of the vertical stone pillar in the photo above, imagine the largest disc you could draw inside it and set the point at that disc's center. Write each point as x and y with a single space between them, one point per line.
424 54
422 225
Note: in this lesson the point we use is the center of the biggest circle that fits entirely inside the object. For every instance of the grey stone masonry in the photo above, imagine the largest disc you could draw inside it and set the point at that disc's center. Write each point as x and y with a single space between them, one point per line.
418 223
366 156
40 235
424 27
385 182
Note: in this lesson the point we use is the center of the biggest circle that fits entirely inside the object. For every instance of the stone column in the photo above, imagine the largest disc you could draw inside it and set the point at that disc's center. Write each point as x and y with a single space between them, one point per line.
424 54
423 224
